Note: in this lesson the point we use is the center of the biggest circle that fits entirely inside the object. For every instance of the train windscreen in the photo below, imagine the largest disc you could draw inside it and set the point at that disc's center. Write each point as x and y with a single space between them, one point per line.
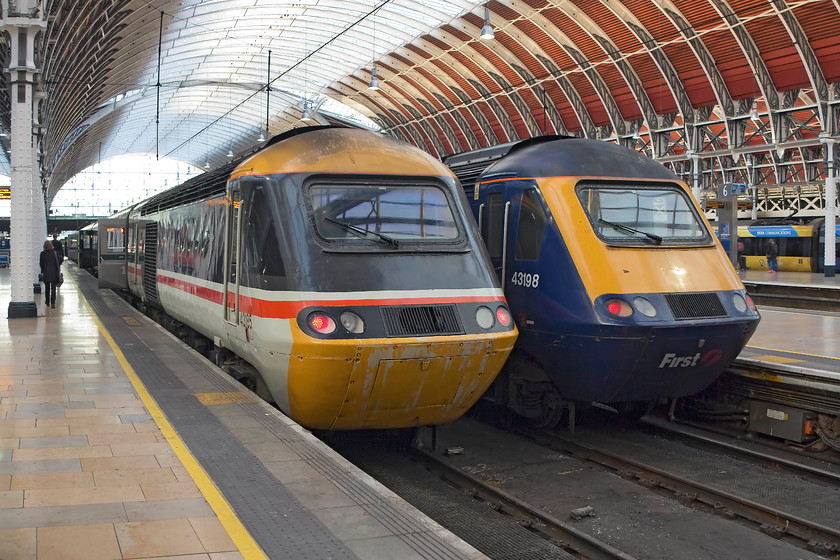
642 215
374 214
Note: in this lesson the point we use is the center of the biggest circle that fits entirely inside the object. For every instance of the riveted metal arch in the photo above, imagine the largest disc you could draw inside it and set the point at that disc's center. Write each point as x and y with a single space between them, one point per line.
414 83
442 123
467 74
477 114
633 82
498 111
550 110
526 112
667 70
451 66
602 89
722 95
555 34
632 79
490 135
436 88
408 128
742 36
466 130
431 133
806 53
578 106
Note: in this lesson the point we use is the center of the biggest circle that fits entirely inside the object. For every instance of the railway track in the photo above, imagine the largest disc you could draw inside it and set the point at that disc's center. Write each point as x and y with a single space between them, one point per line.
574 541
774 521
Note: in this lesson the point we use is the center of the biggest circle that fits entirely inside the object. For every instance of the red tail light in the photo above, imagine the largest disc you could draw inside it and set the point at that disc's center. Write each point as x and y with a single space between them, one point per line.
321 323
503 316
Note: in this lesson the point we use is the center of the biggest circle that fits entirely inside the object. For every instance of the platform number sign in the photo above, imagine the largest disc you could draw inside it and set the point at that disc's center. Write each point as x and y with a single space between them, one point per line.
732 189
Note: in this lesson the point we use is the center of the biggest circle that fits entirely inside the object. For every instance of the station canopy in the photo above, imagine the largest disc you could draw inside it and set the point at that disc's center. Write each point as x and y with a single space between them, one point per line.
746 86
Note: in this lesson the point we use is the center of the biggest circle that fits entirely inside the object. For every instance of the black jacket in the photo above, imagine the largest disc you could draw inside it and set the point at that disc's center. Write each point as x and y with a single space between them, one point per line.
59 250
49 266
772 251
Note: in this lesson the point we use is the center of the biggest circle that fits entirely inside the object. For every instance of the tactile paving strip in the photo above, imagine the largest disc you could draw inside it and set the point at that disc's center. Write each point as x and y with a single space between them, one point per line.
275 519
252 493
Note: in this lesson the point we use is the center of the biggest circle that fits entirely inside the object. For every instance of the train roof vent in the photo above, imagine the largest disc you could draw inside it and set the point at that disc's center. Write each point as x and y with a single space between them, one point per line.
421 320
703 305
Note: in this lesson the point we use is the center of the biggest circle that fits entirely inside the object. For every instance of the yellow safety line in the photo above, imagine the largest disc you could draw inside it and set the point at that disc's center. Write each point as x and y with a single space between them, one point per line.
246 545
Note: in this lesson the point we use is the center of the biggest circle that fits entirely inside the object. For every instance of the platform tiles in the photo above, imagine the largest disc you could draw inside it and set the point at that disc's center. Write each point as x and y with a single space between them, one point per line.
117 441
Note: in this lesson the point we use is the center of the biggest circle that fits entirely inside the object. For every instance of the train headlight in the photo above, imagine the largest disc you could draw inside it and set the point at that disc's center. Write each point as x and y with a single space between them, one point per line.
321 323
484 317
352 322
644 306
751 303
739 303
618 307
503 316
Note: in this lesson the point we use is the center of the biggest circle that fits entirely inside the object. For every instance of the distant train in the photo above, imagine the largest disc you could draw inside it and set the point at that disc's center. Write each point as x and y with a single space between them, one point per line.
336 272
82 247
621 292
801 247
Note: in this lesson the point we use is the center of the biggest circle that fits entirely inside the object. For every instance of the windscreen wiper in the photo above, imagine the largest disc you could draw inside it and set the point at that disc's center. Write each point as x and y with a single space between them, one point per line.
363 232
622 227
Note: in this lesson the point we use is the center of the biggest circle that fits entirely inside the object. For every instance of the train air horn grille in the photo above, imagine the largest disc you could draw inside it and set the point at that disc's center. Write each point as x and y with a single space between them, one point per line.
421 320
695 306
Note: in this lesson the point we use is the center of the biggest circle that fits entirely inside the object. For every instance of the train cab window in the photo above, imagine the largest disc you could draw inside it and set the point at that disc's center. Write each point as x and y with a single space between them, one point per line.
262 263
531 227
492 224
642 215
382 215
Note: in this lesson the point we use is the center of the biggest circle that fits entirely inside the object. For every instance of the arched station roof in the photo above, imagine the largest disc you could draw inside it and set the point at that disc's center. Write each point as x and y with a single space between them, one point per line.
746 86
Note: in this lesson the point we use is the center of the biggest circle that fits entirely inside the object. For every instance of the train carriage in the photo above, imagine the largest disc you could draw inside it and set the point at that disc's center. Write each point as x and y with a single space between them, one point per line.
621 292
336 271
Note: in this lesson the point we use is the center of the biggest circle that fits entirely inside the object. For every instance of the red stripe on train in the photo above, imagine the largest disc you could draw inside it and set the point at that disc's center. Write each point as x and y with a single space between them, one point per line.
287 309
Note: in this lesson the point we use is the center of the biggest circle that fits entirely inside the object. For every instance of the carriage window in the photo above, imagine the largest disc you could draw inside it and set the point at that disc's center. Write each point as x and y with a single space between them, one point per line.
115 240
382 214
532 221
643 215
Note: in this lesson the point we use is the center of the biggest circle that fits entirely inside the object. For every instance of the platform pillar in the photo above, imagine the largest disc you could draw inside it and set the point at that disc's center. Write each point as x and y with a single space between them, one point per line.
830 204
21 21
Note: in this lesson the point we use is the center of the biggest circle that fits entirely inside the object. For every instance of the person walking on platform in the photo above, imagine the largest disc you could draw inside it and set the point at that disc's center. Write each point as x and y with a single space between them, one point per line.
49 273
58 248
772 257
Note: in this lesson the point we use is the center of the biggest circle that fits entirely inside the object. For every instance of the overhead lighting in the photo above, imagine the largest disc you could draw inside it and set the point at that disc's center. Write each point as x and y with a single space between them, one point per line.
637 131
374 80
230 153
754 115
487 31
261 137
307 111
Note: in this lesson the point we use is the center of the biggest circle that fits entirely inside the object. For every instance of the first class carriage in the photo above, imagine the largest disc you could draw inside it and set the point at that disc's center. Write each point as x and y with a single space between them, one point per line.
336 272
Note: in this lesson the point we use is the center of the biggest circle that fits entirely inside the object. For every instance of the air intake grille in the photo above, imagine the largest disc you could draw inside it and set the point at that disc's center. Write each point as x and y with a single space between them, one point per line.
421 320
695 306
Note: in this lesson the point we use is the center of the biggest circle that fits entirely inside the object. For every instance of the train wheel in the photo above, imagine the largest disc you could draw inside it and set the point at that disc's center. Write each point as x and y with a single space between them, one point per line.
553 405
532 394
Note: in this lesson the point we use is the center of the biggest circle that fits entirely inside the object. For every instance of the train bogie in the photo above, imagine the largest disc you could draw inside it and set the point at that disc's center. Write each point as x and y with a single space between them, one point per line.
341 268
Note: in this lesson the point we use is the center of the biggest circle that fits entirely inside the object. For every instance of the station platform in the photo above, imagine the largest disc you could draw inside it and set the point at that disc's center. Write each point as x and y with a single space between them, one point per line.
117 441
800 279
